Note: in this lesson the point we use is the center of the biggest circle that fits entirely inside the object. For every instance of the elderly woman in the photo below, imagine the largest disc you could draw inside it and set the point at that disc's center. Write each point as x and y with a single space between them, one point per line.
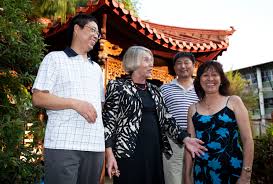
217 120
137 124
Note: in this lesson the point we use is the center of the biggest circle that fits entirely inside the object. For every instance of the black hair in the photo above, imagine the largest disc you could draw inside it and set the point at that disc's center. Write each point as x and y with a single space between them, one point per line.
225 84
81 20
183 54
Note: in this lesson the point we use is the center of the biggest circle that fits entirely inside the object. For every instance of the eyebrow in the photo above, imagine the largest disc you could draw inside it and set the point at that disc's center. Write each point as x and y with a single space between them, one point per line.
90 26
186 59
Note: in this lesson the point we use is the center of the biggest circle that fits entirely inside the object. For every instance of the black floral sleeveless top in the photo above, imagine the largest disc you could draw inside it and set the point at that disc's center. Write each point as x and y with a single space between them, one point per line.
222 163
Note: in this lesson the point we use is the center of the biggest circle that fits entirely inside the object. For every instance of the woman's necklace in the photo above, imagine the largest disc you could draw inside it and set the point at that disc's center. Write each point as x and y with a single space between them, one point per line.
141 86
209 106
216 103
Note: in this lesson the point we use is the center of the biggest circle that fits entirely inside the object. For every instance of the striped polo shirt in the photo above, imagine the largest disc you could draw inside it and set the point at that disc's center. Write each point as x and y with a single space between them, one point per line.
178 99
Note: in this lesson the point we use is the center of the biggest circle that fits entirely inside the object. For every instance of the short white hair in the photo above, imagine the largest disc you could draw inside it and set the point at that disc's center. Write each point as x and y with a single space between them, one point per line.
133 56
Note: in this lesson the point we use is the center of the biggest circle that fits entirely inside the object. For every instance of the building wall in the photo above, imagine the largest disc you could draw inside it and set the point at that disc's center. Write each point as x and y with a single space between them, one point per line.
250 74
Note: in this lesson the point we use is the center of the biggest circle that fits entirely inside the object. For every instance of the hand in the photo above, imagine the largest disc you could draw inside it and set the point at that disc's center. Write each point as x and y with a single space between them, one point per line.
244 178
86 110
111 164
243 181
194 146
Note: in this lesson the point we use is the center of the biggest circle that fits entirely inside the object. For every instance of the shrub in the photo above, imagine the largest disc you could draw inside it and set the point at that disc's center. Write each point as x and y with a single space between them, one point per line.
263 158
21 50
239 86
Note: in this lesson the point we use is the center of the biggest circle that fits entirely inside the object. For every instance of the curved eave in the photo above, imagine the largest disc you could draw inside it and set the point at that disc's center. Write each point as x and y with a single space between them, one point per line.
187 42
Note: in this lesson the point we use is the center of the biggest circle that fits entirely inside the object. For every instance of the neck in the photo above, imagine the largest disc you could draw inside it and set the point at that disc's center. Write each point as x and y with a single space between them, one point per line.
212 98
78 50
138 79
212 102
185 82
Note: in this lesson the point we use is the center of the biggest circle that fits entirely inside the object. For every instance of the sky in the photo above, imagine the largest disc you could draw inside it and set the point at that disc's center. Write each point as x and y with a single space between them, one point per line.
250 44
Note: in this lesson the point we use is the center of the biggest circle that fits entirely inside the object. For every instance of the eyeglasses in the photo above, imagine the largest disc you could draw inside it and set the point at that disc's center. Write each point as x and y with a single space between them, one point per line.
93 31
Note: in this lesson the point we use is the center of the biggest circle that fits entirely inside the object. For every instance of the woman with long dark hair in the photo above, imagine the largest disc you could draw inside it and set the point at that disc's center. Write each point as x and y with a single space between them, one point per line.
219 120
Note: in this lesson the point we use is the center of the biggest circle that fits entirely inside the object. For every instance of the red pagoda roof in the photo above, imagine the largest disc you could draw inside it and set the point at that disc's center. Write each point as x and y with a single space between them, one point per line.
171 37
193 39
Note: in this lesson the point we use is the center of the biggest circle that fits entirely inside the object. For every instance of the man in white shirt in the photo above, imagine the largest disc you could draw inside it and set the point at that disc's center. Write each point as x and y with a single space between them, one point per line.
70 87
178 96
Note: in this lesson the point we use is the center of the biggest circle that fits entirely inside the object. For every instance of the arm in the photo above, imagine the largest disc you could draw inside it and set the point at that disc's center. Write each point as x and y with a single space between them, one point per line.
111 163
188 164
169 123
109 115
180 135
43 87
242 118
110 112
49 101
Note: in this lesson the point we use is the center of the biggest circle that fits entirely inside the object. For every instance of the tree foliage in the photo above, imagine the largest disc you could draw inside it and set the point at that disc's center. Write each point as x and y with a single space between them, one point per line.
239 86
56 9
263 152
21 50
263 158
59 9
131 5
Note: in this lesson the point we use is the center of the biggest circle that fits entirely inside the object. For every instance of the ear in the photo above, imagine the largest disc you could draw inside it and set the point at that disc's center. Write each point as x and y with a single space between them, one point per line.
76 28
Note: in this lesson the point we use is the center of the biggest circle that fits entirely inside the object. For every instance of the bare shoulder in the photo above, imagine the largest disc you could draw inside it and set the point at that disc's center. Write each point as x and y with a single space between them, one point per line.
192 109
235 102
234 99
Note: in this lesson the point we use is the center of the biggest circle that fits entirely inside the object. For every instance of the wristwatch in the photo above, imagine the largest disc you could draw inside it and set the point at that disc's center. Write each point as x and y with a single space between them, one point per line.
247 169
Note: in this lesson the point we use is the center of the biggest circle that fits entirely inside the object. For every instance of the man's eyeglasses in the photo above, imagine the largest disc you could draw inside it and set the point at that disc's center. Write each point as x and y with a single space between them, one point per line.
93 31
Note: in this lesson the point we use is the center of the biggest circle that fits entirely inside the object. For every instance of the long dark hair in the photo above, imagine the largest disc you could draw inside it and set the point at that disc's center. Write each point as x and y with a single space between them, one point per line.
224 86
81 20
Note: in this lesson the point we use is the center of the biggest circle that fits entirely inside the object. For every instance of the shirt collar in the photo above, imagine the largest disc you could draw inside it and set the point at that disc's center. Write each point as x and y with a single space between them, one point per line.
175 82
71 53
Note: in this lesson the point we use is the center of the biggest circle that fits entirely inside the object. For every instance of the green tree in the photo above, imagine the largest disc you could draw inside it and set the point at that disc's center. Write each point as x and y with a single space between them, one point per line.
21 50
56 9
263 160
263 152
59 9
239 86
131 5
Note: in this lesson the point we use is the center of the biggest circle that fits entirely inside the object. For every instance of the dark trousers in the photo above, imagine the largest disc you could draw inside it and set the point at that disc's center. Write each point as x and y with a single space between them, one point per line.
72 167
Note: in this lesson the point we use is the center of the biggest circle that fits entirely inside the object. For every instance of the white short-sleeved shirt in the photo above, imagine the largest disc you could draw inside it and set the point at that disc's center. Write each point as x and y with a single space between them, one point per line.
66 74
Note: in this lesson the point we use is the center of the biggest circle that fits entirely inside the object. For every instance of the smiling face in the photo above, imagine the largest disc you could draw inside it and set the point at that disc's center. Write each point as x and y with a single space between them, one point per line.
183 67
87 36
210 81
145 67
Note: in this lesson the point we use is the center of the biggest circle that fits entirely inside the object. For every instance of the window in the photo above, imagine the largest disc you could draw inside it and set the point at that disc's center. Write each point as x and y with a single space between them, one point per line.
267 75
251 78
268 103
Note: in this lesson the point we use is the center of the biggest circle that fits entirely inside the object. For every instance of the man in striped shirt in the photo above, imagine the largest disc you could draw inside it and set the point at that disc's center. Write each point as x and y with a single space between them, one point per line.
179 94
